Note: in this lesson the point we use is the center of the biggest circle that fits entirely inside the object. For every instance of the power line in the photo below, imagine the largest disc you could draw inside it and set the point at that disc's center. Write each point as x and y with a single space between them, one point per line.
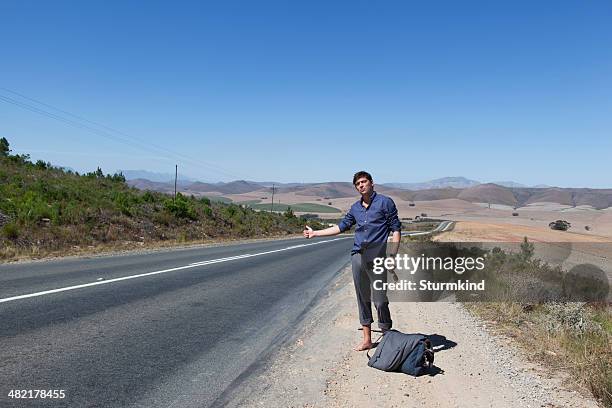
135 142
61 119
215 168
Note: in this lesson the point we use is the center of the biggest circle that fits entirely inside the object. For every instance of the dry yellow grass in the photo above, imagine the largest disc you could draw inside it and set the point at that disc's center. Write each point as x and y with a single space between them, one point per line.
584 354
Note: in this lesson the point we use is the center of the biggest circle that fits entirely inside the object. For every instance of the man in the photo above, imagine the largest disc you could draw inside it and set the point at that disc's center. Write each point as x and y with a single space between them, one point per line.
375 216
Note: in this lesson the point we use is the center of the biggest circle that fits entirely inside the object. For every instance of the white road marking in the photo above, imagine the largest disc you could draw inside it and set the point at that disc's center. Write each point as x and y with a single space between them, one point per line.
211 261
178 268
192 265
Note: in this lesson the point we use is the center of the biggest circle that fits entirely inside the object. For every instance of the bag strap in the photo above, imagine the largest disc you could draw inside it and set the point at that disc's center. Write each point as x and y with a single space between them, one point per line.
377 341
429 353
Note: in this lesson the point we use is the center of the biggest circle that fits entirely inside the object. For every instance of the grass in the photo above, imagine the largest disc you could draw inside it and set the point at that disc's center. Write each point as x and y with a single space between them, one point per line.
551 339
575 337
299 207
527 300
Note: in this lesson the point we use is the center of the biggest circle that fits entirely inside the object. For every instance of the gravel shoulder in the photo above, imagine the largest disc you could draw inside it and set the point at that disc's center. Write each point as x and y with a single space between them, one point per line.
475 367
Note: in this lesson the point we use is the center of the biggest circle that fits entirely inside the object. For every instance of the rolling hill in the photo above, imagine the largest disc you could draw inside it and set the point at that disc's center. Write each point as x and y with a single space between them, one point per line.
477 193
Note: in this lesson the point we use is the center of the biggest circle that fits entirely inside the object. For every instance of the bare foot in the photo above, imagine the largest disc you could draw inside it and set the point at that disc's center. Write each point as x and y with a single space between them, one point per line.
366 345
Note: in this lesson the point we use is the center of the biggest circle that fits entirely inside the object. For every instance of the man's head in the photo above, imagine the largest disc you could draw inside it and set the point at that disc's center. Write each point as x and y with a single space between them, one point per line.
362 180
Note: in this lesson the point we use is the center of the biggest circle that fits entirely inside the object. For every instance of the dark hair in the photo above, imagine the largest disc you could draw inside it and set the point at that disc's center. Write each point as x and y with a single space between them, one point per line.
361 174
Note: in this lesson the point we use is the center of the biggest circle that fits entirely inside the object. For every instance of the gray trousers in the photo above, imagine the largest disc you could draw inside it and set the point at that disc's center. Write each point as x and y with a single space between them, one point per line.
363 278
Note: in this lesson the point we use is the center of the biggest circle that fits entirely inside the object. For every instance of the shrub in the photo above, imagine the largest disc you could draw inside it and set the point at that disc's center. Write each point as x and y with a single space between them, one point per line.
148 197
71 213
289 213
527 249
117 177
4 147
181 207
32 207
126 203
10 231
42 165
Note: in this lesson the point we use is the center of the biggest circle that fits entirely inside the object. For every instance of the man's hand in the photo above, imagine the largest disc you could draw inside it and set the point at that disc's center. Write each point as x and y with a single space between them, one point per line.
392 268
390 263
308 232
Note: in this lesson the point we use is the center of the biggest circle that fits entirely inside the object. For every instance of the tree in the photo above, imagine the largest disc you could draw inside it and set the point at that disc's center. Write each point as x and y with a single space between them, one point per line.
41 164
4 147
527 249
118 177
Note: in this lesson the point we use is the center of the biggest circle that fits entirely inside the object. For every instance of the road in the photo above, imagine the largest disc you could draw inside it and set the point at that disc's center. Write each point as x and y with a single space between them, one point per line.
170 328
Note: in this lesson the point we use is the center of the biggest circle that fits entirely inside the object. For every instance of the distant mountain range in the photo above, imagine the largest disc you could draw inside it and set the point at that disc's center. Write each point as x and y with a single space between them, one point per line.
448 187
152 176
516 196
444 182
455 182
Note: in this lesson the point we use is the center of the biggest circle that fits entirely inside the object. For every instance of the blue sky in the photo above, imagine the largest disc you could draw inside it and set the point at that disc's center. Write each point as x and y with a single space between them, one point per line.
313 91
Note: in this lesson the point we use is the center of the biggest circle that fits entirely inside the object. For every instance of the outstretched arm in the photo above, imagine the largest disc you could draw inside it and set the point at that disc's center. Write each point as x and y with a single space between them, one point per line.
347 222
310 233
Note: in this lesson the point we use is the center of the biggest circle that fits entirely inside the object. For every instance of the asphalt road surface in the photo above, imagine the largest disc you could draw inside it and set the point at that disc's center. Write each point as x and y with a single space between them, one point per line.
171 328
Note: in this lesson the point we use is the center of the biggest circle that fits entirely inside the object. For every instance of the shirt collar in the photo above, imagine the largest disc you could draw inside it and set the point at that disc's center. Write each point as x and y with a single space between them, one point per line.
371 198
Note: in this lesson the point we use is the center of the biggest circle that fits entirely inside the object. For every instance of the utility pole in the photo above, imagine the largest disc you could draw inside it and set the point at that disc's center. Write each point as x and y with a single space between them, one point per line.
175 177
273 188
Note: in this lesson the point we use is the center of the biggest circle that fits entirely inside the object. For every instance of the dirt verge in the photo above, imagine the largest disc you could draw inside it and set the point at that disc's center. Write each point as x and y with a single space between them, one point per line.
475 368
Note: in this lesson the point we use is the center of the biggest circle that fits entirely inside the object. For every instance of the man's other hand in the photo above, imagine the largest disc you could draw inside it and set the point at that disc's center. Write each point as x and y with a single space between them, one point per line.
308 232
392 265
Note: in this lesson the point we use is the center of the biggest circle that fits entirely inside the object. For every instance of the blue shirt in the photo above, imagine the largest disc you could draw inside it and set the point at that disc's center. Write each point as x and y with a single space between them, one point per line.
373 223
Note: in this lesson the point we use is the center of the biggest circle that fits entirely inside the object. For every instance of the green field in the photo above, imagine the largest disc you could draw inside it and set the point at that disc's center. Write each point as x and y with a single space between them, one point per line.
299 207
248 202
219 199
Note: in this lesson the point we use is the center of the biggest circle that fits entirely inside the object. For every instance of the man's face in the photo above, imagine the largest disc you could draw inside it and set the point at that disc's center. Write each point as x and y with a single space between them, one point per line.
364 186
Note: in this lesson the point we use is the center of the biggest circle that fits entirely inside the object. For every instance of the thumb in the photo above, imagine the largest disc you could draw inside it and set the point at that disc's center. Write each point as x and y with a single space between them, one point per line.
308 228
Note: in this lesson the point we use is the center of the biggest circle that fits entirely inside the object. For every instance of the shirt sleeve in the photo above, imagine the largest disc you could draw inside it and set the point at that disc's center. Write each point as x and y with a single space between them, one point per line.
348 221
393 220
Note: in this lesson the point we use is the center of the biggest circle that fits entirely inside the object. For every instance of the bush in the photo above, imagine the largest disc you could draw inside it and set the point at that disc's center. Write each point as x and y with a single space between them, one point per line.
10 231
117 177
148 197
572 317
126 203
42 165
230 210
181 208
71 213
527 249
4 147
32 207
289 213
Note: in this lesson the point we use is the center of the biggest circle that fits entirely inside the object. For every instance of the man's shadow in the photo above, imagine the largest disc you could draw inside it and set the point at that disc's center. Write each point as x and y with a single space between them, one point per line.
440 343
